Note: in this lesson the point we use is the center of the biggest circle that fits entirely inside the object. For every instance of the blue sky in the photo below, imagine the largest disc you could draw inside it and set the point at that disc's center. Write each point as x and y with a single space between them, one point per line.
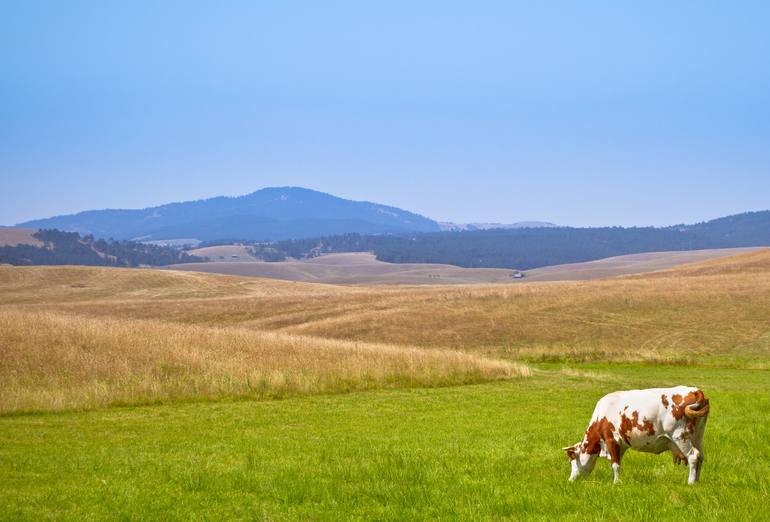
580 113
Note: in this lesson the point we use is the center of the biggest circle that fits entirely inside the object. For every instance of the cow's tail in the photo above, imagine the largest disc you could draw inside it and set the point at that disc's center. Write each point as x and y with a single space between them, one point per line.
698 410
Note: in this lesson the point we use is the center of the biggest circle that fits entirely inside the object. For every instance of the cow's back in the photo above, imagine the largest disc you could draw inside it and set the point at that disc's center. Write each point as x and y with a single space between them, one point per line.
644 419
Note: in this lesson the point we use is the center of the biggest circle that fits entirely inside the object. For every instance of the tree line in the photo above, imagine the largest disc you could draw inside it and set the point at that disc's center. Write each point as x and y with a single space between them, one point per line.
69 248
529 247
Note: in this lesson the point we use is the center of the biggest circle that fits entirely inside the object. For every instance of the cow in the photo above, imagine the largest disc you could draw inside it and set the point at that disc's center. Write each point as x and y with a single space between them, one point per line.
653 421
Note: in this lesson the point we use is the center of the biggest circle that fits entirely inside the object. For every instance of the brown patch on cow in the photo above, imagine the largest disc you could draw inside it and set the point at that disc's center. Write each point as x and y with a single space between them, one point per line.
613 448
664 400
680 403
601 430
627 425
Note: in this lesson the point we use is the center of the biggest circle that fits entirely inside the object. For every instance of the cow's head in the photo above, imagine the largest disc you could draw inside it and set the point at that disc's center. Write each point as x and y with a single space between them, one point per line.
582 462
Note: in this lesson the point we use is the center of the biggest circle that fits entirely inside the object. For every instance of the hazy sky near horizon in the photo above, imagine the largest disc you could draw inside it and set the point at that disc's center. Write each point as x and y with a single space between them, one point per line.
580 113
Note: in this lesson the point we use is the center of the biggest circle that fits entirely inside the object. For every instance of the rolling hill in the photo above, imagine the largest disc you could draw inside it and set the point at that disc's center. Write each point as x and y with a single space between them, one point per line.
91 336
365 269
351 268
629 264
13 237
267 214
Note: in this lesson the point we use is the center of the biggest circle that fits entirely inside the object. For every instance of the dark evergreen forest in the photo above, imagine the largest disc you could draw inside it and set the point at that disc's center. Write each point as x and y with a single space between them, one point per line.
530 247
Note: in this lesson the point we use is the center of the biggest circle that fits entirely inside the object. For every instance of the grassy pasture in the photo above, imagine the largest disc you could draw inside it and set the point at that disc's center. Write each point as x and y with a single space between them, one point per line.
437 427
487 451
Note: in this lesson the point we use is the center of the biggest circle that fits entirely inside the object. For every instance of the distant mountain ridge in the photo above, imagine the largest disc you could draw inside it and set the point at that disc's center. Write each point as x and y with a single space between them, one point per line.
273 213
447 226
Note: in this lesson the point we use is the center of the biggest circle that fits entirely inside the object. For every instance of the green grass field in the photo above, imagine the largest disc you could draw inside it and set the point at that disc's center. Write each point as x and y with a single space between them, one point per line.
488 451
161 395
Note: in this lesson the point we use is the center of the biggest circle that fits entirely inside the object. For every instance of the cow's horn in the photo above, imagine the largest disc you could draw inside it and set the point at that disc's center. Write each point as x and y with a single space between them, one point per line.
692 413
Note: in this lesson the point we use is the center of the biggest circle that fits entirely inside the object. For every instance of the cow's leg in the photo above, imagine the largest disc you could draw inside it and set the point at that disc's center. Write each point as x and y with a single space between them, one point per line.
697 440
698 462
616 453
698 466
679 457
684 450
693 459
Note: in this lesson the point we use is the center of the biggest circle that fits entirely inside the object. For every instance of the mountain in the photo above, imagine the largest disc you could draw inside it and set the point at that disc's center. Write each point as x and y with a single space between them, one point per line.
447 226
268 214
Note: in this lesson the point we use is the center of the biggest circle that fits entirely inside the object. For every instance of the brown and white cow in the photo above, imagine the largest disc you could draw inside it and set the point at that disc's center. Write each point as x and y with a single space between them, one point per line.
653 420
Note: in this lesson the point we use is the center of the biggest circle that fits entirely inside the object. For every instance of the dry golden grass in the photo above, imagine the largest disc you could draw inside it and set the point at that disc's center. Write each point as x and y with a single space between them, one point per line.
54 361
748 263
55 284
674 316
349 268
76 336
